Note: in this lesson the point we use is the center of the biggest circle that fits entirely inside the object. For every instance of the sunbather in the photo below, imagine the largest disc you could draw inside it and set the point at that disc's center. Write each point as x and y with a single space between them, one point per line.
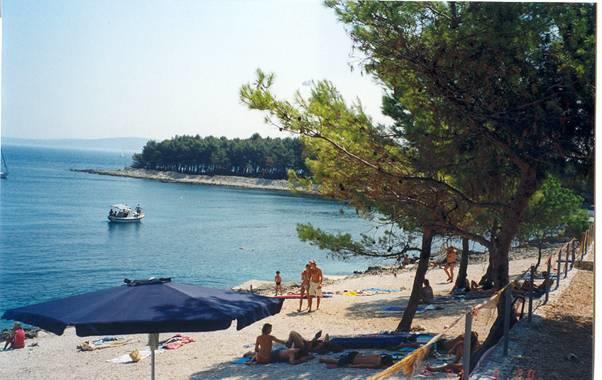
355 359
455 347
426 293
16 339
264 353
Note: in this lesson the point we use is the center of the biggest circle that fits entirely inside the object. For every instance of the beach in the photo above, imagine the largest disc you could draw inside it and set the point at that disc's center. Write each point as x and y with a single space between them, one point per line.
217 180
211 355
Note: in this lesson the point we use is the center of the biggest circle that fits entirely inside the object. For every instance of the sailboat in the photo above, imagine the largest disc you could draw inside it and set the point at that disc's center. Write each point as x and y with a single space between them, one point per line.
3 167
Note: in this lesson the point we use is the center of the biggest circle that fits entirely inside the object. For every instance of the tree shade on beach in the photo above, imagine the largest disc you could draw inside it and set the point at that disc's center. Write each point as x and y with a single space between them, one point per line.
488 99
252 157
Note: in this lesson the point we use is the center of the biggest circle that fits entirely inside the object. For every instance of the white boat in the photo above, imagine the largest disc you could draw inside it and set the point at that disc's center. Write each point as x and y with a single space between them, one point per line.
122 213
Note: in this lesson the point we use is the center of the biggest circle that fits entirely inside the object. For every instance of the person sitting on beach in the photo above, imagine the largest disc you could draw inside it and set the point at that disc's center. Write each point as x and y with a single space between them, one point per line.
304 285
315 284
426 293
278 281
450 263
455 347
356 359
16 338
265 355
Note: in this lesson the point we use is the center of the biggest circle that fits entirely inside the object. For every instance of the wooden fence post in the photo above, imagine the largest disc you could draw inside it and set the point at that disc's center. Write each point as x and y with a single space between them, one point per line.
566 261
573 249
467 342
558 268
547 280
531 292
508 302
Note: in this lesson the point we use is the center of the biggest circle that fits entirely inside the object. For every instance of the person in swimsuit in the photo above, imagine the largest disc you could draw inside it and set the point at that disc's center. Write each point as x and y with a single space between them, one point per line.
355 359
16 338
426 293
304 285
278 281
315 284
264 353
450 263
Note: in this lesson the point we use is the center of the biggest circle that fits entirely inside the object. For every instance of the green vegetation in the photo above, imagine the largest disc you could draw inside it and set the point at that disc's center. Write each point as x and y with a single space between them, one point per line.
252 157
487 99
553 211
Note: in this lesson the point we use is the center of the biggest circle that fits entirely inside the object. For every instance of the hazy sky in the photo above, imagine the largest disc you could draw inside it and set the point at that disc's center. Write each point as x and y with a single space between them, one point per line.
156 68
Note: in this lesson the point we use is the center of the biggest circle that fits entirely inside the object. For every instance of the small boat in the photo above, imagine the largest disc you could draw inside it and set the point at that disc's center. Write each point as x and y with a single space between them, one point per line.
122 213
3 167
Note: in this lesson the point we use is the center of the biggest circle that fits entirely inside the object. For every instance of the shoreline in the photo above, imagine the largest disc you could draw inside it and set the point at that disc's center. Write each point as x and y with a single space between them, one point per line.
279 185
211 355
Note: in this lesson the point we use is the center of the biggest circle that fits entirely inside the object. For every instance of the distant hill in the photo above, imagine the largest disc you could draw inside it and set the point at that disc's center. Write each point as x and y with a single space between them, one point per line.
119 144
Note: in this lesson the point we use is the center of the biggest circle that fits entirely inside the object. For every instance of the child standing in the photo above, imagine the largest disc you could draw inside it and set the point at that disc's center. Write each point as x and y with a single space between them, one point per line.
278 281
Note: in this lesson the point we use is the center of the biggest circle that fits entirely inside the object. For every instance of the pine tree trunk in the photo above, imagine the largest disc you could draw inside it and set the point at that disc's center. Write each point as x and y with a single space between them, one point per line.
423 266
462 271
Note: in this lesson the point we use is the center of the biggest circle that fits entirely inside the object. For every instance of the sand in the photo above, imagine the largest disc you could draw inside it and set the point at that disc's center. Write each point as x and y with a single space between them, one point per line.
210 356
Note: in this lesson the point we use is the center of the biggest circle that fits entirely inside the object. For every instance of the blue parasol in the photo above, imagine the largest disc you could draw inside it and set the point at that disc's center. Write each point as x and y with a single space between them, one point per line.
148 306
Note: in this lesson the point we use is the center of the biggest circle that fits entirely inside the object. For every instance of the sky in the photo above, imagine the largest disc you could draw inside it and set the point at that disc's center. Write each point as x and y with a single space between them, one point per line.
157 68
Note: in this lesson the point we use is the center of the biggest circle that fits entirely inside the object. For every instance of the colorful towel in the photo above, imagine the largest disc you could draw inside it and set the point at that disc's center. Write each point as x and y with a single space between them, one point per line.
176 342
126 358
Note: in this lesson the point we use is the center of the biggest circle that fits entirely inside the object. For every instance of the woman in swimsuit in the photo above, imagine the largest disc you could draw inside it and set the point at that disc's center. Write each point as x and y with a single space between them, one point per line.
304 285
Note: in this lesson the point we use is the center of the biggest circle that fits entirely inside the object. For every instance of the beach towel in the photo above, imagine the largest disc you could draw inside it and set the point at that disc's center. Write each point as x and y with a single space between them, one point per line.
378 340
126 358
398 309
243 360
98 344
176 342
298 296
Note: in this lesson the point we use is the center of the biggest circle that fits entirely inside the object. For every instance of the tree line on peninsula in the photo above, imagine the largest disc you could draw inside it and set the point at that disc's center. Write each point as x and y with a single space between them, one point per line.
257 156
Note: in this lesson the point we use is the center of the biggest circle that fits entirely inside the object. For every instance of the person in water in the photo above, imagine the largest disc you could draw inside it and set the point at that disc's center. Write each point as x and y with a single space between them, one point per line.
278 281
264 353
16 338
315 285
356 359
304 285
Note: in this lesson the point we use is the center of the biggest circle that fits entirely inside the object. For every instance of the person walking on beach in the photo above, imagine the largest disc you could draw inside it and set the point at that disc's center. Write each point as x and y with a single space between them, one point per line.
315 285
278 281
450 263
304 285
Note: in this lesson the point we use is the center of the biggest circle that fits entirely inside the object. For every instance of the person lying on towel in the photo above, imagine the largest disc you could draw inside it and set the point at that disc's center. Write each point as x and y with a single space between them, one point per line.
456 347
264 353
355 359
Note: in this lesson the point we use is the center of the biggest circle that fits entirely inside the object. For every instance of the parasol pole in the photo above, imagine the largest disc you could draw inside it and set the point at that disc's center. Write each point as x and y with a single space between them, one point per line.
153 342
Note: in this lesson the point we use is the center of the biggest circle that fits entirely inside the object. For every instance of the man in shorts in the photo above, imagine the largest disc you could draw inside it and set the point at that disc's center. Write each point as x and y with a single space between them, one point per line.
315 284
450 263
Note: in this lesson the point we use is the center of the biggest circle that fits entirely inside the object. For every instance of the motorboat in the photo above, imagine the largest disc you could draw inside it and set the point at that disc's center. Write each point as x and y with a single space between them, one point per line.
122 213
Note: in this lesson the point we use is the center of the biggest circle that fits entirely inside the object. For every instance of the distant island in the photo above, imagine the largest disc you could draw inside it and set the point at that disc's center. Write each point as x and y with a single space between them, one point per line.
115 144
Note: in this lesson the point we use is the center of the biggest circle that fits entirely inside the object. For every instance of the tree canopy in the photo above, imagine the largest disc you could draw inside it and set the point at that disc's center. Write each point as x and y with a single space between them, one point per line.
252 157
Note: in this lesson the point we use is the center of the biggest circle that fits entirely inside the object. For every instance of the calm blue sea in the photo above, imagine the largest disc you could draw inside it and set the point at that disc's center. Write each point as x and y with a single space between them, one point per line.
55 240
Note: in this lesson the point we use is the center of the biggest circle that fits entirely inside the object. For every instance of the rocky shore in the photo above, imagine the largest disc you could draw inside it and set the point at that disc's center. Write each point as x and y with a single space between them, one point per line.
216 180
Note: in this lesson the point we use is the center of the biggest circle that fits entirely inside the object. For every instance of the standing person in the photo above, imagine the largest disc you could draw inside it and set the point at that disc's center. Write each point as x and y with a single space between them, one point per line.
304 285
450 263
16 338
315 284
278 281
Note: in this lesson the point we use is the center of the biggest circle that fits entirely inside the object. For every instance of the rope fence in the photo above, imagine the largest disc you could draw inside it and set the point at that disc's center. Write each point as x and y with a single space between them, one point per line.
522 292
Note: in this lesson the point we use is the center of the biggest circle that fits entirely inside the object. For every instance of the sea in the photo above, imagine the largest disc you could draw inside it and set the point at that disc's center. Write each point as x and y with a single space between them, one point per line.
56 241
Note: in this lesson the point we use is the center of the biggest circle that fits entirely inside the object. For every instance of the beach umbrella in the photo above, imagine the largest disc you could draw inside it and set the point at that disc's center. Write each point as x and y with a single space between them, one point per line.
148 307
